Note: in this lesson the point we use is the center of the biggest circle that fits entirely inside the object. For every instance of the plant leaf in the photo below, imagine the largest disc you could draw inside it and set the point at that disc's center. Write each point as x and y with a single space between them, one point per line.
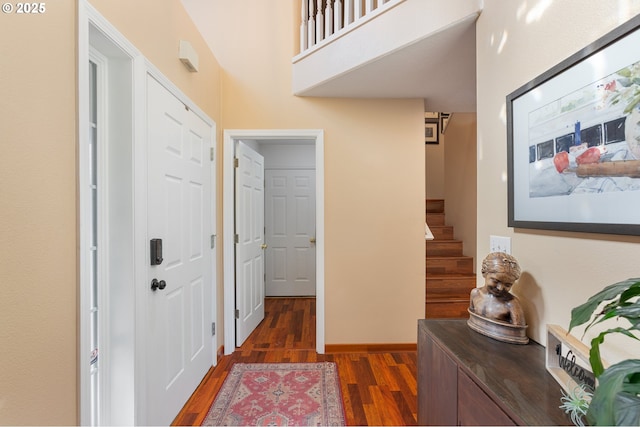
584 312
633 291
609 405
628 311
594 352
627 409
632 388
594 355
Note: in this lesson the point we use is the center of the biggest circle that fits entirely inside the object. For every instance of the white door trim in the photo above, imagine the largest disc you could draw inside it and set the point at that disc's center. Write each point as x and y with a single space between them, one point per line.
95 32
279 136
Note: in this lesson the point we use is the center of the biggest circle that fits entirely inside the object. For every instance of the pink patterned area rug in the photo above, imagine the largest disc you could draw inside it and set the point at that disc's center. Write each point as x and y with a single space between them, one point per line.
279 394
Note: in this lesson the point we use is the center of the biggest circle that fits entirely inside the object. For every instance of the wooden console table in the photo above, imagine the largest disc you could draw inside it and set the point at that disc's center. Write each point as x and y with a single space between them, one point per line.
465 378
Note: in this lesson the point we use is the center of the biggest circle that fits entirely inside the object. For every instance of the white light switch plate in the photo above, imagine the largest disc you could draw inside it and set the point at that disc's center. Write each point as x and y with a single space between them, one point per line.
500 244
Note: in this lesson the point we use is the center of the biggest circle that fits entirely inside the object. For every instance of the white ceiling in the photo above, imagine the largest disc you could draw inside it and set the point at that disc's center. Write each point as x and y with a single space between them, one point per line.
440 68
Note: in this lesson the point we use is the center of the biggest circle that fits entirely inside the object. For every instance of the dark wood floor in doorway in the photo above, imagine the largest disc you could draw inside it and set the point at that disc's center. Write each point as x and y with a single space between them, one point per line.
377 388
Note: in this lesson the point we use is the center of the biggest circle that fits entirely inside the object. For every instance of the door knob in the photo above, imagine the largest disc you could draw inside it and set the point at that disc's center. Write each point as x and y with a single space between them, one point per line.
263 246
312 239
155 284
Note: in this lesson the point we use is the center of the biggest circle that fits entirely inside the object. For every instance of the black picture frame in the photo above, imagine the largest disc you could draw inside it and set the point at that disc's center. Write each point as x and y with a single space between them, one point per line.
444 121
431 128
573 141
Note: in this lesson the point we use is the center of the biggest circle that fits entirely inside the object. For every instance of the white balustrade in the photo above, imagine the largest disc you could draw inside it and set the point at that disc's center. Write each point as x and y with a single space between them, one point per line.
321 19
348 12
337 15
304 22
328 23
311 27
369 6
319 23
357 10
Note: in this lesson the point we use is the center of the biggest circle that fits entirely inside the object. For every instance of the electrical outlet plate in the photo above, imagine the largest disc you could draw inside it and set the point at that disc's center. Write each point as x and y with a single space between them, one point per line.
500 244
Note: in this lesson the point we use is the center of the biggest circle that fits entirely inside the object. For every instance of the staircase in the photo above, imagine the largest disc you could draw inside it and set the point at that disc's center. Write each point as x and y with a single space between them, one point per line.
450 277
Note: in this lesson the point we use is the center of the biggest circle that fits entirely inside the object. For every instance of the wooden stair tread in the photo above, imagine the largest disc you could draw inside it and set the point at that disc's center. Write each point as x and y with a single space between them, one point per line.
434 205
434 219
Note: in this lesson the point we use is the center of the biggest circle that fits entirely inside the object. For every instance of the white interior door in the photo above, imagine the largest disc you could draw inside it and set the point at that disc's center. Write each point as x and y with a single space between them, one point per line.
290 215
250 241
179 350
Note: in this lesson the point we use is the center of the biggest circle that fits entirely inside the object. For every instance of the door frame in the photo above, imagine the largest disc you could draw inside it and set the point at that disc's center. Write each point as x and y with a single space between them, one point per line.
228 223
130 386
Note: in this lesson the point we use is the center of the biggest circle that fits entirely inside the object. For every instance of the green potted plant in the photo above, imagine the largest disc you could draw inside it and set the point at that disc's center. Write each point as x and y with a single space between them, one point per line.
616 399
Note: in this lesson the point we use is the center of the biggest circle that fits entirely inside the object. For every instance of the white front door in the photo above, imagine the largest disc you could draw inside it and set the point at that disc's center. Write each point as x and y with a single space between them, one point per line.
290 215
250 241
179 350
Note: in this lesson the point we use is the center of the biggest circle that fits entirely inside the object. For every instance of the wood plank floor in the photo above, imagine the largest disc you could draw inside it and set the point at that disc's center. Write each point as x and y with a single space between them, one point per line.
377 388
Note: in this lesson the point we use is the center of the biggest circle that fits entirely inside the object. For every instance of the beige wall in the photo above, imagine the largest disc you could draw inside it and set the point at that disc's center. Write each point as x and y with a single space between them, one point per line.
38 285
460 179
517 41
374 177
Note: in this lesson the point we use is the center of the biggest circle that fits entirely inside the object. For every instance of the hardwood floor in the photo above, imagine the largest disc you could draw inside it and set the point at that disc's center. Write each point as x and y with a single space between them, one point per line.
377 388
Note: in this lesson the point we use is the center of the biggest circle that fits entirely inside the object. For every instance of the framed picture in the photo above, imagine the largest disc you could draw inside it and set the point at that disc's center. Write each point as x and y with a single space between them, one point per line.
573 141
431 135
444 121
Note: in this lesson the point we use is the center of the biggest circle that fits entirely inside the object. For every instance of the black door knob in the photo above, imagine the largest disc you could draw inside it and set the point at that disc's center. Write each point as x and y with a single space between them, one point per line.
156 284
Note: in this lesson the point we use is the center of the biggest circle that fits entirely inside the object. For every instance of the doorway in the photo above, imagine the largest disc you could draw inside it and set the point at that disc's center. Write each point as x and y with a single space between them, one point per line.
270 137
290 220
116 304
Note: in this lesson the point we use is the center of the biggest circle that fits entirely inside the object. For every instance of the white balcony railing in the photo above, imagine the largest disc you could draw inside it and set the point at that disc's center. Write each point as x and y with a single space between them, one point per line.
325 19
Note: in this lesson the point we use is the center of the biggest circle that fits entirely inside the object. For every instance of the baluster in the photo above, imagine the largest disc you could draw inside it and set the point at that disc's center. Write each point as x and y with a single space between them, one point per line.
304 32
369 6
328 20
357 10
319 23
337 15
348 12
312 25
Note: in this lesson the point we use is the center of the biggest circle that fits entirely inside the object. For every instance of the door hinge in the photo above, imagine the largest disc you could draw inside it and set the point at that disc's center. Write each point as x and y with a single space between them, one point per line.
237 314
213 241
213 328
211 153
236 238
236 162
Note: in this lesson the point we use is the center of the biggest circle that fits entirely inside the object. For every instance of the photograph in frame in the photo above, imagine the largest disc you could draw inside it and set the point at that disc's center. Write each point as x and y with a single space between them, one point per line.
573 141
431 133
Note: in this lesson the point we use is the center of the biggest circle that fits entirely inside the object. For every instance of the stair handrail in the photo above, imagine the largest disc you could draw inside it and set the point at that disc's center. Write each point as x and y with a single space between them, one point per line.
427 232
